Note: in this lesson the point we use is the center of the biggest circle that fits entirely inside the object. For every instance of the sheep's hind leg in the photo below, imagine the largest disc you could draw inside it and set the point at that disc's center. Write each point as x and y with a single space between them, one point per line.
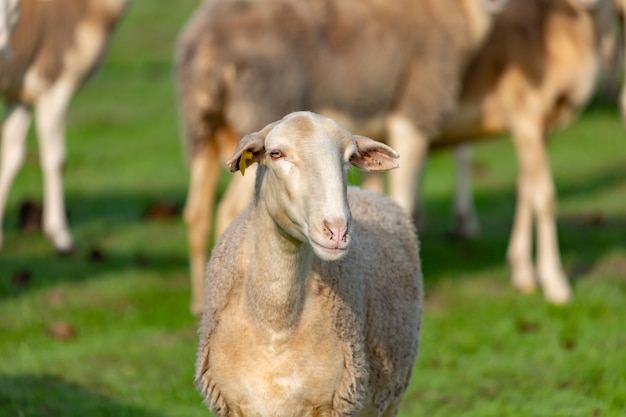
235 199
536 196
466 222
520 243
550 271
621 44
14 131
198 216
240 188
51 111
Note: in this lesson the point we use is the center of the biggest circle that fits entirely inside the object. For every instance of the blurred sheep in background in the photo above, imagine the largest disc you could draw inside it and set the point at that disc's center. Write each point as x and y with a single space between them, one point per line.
381 69
54 48
9 12
536 71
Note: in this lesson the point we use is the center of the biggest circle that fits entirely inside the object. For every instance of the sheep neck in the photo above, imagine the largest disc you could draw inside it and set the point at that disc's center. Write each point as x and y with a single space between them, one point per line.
279 267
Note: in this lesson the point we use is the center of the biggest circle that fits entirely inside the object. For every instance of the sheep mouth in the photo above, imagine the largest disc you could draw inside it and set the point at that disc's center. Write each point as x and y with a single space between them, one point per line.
329 252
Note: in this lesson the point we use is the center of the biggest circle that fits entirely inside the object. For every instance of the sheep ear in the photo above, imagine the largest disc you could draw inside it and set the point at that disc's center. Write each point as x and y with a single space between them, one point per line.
249 150
373 155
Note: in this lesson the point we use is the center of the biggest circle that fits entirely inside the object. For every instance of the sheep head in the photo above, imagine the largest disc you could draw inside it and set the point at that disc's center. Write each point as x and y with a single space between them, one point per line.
303 176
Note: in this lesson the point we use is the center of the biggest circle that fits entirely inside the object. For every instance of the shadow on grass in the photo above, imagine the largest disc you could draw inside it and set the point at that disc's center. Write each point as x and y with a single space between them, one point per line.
46 395
23 274
145 221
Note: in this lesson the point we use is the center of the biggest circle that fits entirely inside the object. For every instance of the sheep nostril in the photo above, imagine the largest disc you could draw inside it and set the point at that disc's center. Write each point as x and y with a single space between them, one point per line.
336 233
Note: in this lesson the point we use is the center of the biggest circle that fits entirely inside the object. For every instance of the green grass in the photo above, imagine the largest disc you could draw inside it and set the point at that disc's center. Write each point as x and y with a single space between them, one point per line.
123 295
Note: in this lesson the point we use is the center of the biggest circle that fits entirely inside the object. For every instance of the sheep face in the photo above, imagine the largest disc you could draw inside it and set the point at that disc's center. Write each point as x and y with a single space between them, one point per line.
302 180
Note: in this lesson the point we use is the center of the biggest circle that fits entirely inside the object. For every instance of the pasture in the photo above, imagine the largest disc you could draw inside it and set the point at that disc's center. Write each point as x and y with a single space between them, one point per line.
106 331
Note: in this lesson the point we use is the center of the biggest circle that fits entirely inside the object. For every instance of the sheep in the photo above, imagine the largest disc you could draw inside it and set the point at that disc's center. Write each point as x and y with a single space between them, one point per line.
55 47
620 6
536 70
612 52
379 68
9 12
313 294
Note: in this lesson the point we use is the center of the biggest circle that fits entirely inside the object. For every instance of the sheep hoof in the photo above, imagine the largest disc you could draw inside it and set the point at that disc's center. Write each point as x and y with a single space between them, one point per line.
64 247
65 251
558 292
524 282
62 242
526 288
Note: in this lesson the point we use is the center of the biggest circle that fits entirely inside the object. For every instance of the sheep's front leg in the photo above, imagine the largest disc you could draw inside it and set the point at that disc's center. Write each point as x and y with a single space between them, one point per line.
536 196
404 182
51 109
14 131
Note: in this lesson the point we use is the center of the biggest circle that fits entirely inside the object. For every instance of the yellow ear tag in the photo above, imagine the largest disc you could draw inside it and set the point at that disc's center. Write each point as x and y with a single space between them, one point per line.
243 161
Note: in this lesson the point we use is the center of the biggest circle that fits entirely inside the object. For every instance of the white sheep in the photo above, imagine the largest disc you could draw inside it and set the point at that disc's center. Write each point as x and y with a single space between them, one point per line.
54 48
313 295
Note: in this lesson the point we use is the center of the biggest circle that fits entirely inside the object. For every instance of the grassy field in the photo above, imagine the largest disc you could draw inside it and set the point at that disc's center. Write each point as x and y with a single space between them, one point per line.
106 331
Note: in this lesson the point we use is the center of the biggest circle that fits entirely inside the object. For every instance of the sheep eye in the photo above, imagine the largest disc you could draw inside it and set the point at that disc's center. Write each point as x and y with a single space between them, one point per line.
276 154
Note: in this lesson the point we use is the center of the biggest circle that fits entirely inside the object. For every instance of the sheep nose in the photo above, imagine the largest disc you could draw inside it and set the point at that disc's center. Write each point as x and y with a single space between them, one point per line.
337 232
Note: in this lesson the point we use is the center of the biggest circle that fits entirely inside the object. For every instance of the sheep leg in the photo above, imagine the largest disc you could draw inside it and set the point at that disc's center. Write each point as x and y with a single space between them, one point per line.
51 109
536 197
240 188
621 44
405 182
519 251
465 219
198 217
14 131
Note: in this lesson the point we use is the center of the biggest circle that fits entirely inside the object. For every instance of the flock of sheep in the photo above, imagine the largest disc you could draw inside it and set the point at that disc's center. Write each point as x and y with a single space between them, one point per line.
312 299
